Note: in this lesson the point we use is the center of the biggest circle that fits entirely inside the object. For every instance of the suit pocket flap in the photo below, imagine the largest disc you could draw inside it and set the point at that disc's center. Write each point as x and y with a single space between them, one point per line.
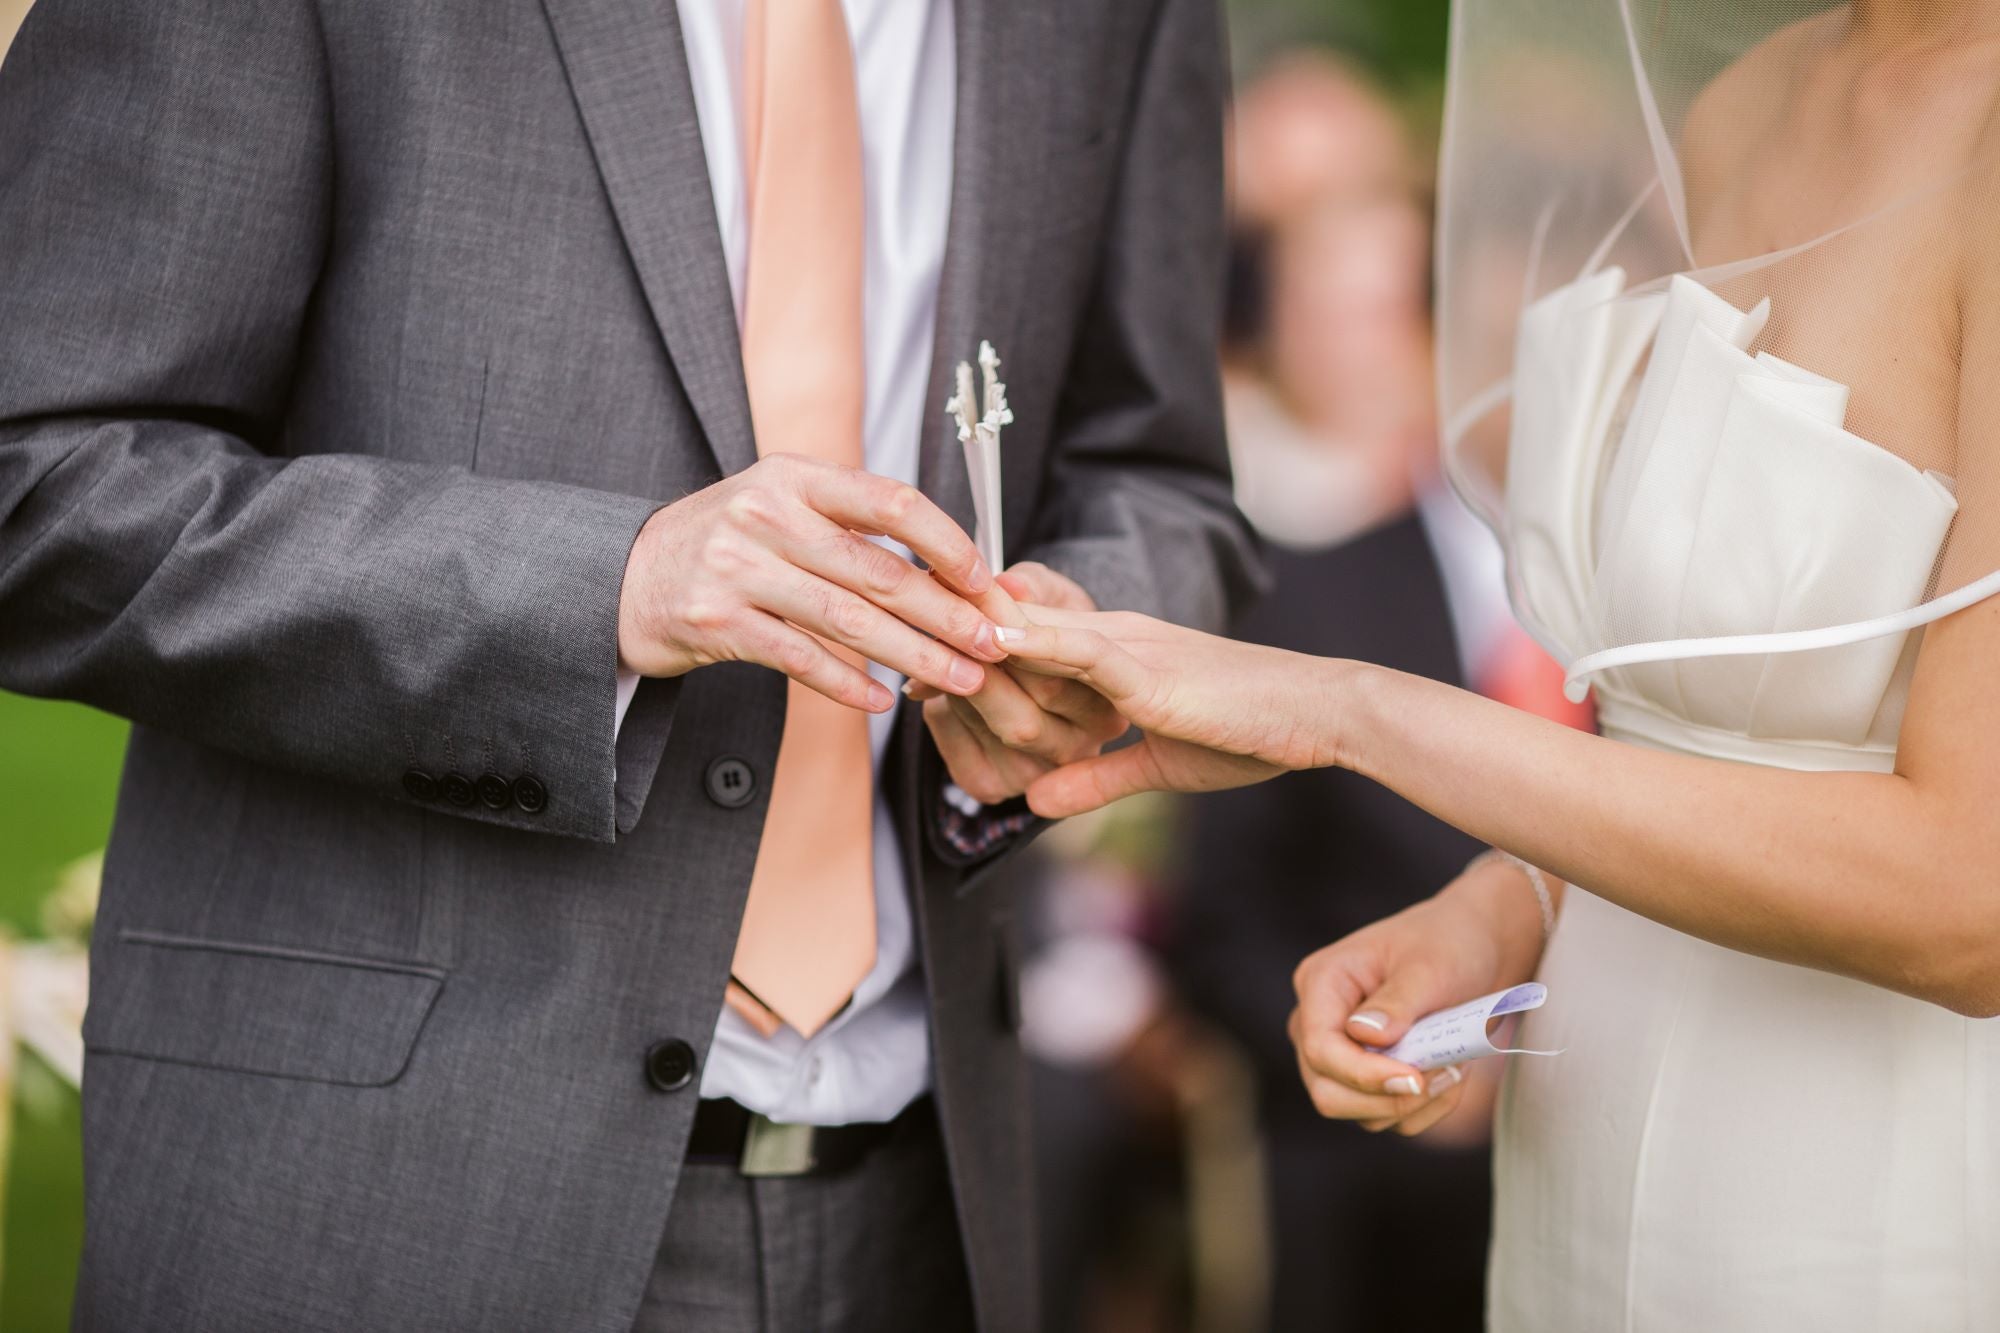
260 1009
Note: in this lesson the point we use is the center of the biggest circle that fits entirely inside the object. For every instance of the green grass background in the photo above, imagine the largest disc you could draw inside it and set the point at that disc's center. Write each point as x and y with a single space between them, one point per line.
58 774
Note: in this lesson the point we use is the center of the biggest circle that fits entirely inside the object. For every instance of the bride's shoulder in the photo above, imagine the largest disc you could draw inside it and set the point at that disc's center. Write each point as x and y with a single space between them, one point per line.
1738 101
1724 120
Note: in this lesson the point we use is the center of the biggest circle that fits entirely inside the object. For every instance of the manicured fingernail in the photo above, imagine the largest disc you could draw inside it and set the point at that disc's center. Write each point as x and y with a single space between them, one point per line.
1405 1085
1444 1080
986 642
1009 634
879 698
965 675
1373 1020
909 689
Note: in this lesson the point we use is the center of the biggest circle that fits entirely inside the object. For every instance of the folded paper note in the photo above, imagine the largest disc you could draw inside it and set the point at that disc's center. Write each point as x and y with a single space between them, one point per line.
979 419
1468 1031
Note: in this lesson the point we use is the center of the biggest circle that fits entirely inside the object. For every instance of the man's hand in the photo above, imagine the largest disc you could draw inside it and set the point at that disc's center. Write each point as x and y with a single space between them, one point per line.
752 568
1020 725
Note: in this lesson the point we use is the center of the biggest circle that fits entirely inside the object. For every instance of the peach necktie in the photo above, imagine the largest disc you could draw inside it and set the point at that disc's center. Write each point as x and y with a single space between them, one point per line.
808 935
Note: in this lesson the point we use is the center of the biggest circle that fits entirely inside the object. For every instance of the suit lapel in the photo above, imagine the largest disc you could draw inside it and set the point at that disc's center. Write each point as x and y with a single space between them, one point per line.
628 69
994 171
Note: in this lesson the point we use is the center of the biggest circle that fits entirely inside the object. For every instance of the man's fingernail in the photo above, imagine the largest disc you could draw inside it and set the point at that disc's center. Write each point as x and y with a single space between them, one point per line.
965 675
1373 1020
1007 634
981 578
879 698
1405 1085
1444 1080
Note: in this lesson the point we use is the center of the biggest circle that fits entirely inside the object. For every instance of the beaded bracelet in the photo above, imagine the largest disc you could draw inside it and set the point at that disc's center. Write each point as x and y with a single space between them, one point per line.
1536 881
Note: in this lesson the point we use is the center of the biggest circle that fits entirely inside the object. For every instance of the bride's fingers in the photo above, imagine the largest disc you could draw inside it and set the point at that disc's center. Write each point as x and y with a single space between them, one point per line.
1442 1095
1084 653
1443 1101
1390 1088
1090 784
1336 1047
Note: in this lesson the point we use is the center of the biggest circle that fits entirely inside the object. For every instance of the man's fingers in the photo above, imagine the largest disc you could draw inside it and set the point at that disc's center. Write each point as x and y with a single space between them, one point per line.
910 594
1017 768
969 762
1019 723
1032 581
881 507
1091 712
769 641
846 618
1092 783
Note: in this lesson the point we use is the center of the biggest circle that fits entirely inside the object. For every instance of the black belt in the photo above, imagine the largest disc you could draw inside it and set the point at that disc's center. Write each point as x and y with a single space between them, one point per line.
726 1131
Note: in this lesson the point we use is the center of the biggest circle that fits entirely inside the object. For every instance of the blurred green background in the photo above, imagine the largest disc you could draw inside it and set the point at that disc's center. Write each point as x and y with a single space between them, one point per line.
59 762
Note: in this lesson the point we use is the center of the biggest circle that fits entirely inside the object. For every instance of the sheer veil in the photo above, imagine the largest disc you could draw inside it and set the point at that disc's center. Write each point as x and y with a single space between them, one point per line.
1717 322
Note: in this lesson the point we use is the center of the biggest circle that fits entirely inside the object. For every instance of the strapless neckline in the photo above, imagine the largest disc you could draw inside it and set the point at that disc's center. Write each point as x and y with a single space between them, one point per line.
1733 502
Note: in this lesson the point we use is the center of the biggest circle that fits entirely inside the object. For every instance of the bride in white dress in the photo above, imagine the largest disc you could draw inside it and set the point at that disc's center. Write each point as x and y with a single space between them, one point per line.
1744 262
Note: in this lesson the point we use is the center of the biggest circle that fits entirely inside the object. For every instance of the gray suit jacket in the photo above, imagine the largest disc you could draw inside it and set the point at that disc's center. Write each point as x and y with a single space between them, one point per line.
344 347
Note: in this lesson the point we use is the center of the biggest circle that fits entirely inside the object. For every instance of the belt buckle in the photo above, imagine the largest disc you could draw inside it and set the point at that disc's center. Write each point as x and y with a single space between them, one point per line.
771 1148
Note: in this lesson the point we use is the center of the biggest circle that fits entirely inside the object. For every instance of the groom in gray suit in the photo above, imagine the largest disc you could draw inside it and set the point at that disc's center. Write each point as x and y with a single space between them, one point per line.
390 420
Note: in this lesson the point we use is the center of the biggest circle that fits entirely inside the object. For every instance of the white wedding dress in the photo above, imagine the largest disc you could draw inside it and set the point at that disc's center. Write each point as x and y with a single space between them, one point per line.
1728 1143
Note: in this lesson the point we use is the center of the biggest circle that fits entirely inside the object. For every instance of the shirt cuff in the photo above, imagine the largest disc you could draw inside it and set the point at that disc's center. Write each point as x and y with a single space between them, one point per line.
628 685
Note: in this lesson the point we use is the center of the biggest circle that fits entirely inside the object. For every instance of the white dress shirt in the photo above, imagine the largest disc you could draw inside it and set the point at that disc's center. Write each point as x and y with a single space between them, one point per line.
874 1058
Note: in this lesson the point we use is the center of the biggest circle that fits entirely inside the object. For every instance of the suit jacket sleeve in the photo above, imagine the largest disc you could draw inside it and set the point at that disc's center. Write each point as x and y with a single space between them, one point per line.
167 199
1138 505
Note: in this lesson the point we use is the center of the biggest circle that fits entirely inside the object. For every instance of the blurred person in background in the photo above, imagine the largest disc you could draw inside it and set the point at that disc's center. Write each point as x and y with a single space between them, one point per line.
1748 462
1157 998
1327 377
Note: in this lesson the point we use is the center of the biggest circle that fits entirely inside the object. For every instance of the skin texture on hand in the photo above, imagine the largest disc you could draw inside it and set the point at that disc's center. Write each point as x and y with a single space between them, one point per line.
1021 724
773 565
1216 712
1480 934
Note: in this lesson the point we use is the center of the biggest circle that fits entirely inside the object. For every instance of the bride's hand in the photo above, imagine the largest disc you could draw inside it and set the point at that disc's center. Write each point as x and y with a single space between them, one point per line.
1216 713
1482 933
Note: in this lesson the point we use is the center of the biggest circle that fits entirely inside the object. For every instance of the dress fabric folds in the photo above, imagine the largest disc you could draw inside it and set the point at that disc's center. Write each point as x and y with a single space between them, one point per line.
1727 1143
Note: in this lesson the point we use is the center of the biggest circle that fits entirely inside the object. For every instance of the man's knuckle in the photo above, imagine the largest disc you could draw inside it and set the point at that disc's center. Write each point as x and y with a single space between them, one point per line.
1022 730
703 615
751 508
849 617
725 554
883 573
797 657
897 501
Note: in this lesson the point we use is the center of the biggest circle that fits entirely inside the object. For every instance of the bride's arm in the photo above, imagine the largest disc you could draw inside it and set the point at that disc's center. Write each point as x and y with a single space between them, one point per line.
1893 878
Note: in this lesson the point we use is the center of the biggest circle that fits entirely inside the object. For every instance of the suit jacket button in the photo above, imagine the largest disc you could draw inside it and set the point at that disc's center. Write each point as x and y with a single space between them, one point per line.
495 792
530 794
670 1065
457 789
732 783
420 785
